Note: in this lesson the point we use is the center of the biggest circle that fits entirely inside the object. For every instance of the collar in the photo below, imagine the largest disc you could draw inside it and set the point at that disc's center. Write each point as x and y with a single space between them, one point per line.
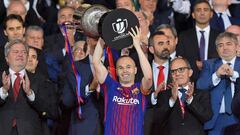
206 29
185 87
165 64
22 72
173 55
232 61
226 12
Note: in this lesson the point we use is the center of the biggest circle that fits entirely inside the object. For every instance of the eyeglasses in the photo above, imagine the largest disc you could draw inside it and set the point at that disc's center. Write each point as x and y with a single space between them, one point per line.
179 70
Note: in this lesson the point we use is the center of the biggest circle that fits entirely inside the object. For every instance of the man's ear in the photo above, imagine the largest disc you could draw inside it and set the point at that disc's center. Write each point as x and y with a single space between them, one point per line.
6 59
151 49
5 33
135 70
193 15
190 72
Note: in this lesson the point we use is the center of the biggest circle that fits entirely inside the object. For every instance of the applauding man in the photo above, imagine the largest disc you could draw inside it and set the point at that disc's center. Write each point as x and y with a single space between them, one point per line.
183 109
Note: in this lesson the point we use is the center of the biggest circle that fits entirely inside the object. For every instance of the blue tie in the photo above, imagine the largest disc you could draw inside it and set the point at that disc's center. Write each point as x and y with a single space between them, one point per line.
183 98
228 96
202 45
220 23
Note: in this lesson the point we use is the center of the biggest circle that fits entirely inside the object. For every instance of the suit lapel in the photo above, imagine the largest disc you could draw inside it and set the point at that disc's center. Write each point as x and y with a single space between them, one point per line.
217 64
211 45
195 43
237 65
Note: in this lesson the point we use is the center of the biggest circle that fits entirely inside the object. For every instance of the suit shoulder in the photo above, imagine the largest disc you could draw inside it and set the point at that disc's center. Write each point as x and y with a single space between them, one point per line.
214 31
187 33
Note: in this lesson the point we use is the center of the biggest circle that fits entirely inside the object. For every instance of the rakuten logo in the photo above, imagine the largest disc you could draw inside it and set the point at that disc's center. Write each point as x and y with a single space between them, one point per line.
123 101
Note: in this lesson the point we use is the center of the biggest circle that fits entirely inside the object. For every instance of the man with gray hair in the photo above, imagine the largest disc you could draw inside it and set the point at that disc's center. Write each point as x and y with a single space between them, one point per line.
19 94
34 36
218 76
235 29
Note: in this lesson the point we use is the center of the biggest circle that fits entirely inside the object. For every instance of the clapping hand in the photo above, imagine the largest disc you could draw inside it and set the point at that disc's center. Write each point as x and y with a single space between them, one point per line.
26 85
6 82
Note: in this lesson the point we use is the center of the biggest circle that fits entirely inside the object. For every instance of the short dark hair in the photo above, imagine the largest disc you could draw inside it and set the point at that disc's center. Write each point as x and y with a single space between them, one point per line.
157 33
200 2
168 26
33 48
12 17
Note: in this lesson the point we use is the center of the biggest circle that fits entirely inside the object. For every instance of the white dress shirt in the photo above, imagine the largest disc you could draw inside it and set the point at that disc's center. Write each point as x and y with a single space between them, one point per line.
155 77
206 36
181 6
189 101
226 20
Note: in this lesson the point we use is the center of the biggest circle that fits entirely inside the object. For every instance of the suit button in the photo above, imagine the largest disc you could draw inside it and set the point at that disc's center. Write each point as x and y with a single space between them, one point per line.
44 113
182 124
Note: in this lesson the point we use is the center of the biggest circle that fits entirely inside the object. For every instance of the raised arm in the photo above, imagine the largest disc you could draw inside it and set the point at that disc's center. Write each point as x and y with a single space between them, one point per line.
145 66
100 70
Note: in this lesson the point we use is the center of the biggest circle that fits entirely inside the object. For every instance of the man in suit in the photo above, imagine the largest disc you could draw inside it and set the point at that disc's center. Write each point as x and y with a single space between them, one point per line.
89 123
48 90
160 48
197 44
182 109
222 18
20 96
218 76
234 129
34 36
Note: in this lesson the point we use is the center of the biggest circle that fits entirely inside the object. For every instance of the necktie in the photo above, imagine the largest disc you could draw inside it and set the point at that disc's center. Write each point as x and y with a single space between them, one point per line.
16 86
220 23
228 95
202 46
183 98
160 75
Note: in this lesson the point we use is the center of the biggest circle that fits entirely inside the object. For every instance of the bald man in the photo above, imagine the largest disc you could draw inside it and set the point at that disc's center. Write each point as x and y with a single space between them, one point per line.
235 29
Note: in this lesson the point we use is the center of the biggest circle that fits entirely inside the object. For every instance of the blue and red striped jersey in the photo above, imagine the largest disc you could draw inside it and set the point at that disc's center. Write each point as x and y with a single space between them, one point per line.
124 108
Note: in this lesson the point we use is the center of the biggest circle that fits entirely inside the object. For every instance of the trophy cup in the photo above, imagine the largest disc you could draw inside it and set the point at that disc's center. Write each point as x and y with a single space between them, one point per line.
111 25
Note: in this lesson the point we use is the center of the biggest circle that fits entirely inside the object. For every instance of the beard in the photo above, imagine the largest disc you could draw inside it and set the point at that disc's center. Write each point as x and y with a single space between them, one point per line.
165 54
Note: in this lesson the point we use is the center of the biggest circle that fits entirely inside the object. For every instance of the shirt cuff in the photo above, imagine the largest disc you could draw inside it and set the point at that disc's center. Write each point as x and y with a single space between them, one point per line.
64 51
31 97
215 79
3 95
189 100
153 100
181 6
235 76
171 102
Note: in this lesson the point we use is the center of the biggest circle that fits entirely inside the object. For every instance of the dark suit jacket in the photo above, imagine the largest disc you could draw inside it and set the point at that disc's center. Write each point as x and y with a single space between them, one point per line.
217 92
235 128
89 123
236 99
188 48
214 23
25 111
152 125
172 122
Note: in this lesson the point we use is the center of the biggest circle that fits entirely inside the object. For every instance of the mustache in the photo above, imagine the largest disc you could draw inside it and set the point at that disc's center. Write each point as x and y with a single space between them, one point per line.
166 50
